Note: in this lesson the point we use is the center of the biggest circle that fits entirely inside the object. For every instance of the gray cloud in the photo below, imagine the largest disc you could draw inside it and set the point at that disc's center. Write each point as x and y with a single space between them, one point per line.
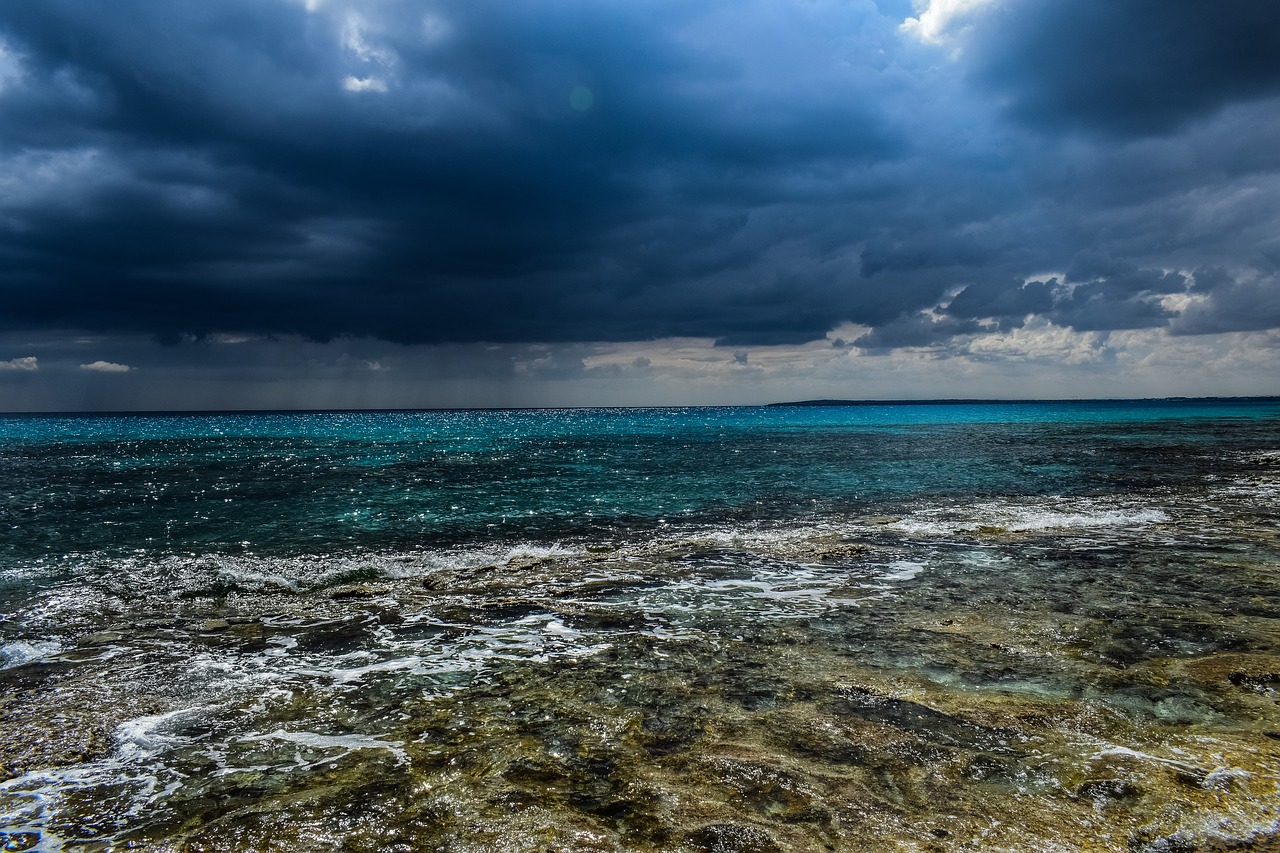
918 330
1134 68
1231 305
1009 303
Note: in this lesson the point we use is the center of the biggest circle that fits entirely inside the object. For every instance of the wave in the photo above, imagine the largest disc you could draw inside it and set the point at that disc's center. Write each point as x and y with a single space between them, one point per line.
993 518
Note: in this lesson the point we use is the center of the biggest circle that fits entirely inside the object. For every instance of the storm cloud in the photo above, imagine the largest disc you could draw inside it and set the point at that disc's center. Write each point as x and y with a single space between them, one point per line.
756 173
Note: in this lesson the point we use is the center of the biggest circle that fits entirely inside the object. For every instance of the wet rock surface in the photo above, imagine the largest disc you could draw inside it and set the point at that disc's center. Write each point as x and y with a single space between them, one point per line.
813 693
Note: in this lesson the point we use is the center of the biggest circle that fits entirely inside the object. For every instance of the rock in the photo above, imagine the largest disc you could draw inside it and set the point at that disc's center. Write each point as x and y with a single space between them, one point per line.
732 838
920 720
842 550
335 635
19 840
1106 790
361 590
439 581
771 790
101 638
1255 680
1256 673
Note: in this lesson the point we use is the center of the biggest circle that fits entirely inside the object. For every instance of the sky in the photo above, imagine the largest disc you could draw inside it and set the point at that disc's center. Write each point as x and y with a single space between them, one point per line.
213 204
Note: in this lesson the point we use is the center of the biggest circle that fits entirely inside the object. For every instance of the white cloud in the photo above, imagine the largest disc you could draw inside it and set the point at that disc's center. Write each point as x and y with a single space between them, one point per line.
28 363
939 20
364 84
354 40
10 68
106 367
1041 341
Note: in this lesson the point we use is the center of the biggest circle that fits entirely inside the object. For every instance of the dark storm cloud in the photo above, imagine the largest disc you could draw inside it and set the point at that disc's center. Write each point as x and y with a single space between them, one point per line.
571 171
1232 305
914 331
1097 307
1098 294
1007 302
924 252
247 164
1110 294
1132 67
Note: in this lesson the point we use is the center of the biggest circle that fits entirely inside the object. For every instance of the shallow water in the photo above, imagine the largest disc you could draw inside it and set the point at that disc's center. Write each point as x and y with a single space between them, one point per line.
1018 627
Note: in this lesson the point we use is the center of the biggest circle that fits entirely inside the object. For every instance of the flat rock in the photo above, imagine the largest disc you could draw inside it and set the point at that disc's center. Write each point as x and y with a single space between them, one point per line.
101 638
732 838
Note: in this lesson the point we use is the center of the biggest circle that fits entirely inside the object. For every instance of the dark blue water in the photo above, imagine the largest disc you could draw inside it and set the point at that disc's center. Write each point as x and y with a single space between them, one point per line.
327 483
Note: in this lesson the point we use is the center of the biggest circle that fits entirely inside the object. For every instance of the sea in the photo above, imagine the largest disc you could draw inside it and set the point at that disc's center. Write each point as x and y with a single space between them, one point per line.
995 626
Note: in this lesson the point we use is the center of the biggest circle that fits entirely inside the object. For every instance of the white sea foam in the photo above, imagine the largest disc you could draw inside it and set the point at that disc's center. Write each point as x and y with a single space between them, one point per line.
21 652
773 589
1083 515
903 570
143 738
413 565
1115 751
343 744
36 801
411 665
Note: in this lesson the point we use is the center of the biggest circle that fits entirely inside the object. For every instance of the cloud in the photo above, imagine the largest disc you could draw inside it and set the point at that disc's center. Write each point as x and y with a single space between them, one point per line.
524 172
364 84
1040 341
915 330
1008 303
1230 304
1134 68
1038 359
477 198
29 362
10 67
355 38
939 18
106 367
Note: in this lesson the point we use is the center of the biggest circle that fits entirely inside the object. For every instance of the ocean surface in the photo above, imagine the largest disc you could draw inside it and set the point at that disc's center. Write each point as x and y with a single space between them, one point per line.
998 627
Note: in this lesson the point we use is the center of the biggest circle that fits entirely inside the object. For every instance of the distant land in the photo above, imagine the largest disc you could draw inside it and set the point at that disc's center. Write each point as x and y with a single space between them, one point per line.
964 401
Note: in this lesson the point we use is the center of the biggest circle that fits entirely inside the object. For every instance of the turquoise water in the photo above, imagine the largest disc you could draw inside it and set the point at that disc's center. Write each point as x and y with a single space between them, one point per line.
320 483
1015 625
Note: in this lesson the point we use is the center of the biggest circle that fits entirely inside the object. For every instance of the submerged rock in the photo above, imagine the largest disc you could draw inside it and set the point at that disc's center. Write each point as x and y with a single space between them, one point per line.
19 841
101 638
1102 791
732 838
768 789
913 717
362 590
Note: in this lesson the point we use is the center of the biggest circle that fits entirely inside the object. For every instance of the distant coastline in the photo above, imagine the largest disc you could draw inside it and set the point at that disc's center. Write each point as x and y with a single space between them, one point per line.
1057 402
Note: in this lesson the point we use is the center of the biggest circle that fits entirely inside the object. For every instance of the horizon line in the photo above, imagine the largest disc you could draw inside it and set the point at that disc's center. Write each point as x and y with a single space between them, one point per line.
814 403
